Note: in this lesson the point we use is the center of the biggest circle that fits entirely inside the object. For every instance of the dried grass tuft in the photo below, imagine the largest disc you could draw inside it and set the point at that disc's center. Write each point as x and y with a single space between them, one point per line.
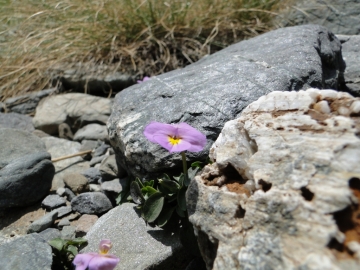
140 37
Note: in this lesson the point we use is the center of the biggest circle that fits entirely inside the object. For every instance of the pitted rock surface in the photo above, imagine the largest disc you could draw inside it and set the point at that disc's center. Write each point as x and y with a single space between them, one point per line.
217 88
301 150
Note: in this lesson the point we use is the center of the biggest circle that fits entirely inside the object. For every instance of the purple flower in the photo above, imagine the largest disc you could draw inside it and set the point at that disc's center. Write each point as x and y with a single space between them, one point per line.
97 261
146 78
175 137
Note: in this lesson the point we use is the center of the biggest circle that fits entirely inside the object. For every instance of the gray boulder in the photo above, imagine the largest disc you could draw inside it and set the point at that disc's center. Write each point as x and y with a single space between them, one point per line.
75 109
138 245
217 88
300 151
26 252
16 121
26 171
351 54
339 16
91 203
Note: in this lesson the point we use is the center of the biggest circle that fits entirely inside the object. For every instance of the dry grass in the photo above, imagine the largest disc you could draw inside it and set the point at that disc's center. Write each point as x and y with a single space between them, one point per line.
145 37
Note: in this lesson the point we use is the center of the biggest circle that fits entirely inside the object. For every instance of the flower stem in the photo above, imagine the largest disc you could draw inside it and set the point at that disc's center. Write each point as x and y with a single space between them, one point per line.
184 166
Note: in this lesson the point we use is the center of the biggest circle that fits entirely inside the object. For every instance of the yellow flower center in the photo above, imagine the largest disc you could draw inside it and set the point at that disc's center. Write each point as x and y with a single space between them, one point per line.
174 140
104 249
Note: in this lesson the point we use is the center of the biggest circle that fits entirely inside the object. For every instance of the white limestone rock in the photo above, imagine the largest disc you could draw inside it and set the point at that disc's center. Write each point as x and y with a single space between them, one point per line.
283 190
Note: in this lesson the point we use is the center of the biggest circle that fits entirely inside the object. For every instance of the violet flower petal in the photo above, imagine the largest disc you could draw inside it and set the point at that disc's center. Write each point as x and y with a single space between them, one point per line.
158 129
81 261
195 138
103 262
181 146
146 78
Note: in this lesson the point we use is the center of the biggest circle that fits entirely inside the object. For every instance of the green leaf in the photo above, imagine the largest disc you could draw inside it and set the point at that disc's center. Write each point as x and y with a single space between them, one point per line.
153 206
180 179
122 197
148 190
165 176
191 174
149 183
72 249
170 185
136 193
165 215
57 243
77 241
180 212
197 164
181 199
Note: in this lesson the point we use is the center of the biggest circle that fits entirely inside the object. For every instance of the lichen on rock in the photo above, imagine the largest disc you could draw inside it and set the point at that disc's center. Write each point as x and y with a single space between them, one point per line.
283 191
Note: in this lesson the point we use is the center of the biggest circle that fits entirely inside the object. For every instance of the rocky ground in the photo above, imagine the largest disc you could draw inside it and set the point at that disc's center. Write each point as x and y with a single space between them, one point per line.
293 175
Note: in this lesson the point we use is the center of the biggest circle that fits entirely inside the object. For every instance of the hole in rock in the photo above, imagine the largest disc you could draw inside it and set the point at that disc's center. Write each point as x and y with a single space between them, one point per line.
348 222
280 128
307 194
335 245
232 175
354 183
240 212
265 186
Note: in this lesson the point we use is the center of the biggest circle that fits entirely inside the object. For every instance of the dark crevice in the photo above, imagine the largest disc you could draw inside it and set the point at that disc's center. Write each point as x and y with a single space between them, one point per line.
208 248
354 183
334 244
240 212
232 174
307 194
265 186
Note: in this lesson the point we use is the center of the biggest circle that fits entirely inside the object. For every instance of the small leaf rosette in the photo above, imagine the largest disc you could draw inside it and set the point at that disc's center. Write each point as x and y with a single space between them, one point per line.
175 137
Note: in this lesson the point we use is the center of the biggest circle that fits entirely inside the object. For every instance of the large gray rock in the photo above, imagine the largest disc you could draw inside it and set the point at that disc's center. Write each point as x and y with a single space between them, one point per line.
351 54
26 171
91 203
16 121
283 191
27 252
339 16
138 245
75 109
216 89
